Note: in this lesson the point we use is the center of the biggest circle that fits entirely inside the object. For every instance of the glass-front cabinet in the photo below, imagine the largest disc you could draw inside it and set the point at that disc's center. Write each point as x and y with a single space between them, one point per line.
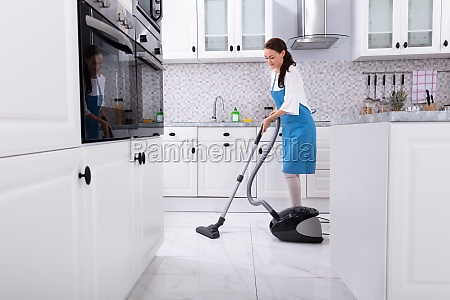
397 27
233 29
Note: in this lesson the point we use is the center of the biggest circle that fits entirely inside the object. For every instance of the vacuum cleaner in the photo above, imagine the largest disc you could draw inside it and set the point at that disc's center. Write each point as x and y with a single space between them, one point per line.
296 224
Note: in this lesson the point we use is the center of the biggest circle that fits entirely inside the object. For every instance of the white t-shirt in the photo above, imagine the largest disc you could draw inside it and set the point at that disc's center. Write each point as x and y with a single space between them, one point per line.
294 92
96 84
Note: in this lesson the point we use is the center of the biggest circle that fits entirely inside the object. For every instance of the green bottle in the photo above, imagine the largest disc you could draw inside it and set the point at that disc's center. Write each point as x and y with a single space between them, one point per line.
235 115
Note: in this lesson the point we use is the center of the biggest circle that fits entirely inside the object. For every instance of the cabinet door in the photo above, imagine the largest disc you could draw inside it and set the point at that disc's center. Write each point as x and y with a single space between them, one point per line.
179 31
445 27
110 217
40 212
180 169
271 181
421 22
318 184
216 29
40 95
219 164
253 27
150 209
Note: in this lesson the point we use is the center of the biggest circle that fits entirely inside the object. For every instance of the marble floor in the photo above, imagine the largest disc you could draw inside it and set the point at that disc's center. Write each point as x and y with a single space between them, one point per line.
247 262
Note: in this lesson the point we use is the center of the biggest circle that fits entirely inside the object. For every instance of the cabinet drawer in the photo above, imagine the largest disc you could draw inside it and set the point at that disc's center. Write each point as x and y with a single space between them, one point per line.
214 134
179 134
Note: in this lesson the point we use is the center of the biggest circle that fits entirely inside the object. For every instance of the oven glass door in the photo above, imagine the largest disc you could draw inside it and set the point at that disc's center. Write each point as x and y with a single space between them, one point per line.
150 92
108 83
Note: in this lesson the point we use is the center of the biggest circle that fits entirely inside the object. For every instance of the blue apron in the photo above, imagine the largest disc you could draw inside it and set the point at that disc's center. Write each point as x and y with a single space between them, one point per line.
93 104
298 138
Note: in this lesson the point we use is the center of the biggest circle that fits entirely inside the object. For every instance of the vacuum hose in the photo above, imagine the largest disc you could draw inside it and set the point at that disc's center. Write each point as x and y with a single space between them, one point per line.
255 170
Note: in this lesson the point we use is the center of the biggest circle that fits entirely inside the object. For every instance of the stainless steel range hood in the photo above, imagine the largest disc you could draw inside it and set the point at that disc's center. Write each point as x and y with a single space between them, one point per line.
312 27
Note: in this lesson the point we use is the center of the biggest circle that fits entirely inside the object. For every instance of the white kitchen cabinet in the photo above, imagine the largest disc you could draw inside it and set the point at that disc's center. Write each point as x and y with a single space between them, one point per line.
180 161
388 28
40 108
148 182
390 209
216 30
41 213
445 27
179 31
111 218
318 184
222 155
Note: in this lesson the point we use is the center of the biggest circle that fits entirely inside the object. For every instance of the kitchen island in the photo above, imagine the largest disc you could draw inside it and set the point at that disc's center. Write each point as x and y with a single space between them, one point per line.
389 205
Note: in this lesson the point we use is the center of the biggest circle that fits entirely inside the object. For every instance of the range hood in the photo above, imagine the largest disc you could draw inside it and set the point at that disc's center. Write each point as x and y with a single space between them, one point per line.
312 27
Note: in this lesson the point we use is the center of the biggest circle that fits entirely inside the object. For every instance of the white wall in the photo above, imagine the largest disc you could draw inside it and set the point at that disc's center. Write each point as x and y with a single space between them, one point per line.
339 20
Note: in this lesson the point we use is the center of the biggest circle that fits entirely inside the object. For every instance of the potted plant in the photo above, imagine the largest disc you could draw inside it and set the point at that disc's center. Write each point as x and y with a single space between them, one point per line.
398 100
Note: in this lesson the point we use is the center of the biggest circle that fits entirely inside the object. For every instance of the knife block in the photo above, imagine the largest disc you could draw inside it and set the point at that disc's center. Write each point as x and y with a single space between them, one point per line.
430 107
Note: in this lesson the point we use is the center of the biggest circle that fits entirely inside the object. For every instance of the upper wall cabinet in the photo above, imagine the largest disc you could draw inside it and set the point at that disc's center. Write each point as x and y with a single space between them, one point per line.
216 30
445 27
403 28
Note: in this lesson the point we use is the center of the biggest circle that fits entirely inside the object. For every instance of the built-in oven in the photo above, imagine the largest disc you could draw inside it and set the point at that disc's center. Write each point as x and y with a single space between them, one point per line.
116 73
149 11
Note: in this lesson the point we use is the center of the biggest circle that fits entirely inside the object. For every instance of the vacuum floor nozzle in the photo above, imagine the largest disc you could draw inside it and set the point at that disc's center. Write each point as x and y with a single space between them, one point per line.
211 231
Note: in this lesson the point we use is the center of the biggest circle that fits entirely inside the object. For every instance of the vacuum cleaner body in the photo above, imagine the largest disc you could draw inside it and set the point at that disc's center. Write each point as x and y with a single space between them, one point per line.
297 224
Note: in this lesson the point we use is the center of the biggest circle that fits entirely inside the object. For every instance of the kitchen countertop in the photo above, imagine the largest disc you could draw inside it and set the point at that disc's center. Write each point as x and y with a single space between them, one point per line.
395 116
229 124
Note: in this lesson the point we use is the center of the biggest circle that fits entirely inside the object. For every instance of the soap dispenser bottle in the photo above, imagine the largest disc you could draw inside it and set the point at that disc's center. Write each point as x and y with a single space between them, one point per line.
235 115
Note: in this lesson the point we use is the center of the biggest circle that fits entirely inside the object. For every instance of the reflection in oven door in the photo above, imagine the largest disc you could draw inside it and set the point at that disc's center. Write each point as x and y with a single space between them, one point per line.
149 79
108 70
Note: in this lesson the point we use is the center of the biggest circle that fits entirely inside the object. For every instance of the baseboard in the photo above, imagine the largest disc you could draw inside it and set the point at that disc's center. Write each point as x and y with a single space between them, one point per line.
238 205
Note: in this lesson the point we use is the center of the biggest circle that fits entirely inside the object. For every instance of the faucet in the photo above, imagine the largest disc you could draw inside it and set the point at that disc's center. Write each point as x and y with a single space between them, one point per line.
214 117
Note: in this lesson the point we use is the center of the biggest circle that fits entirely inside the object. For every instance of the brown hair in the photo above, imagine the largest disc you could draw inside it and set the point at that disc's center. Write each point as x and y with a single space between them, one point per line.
279 45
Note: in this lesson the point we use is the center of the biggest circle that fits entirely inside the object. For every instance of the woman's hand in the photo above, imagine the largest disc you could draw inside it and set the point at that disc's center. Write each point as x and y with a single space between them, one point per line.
266 123
106 127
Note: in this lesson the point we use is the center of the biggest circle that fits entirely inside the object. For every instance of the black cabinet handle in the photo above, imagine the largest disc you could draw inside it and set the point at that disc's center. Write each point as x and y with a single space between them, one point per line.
86 175
238 48
397 45
231 48
260 150
226 134
226 145
193 150
138 158
405 45
193 48
445 43
143 158
172 134
156 134
280 134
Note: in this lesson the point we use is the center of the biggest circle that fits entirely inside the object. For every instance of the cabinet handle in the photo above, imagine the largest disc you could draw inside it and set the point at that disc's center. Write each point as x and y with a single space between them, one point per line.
280 134
226 145
193 48
226 134
397 45
86 175
156 134
231 48
405 45
193 150
172 134
260 150
143 158
138 158
445 43
238 48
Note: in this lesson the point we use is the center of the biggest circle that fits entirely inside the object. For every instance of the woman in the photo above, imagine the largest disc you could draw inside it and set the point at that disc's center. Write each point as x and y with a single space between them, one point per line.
94 91
299 130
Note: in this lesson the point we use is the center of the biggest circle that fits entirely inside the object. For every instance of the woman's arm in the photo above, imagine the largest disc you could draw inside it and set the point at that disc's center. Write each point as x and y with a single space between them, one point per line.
273 116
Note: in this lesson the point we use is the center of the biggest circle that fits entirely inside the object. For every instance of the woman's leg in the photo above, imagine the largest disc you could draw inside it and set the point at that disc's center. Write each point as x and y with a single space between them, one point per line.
294 187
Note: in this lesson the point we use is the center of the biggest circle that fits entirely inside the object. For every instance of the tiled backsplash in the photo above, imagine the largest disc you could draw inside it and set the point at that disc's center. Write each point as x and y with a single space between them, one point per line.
334 88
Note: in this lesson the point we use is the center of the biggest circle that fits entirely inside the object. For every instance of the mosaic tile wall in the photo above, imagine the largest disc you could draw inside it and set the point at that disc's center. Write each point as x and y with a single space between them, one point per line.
334 88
